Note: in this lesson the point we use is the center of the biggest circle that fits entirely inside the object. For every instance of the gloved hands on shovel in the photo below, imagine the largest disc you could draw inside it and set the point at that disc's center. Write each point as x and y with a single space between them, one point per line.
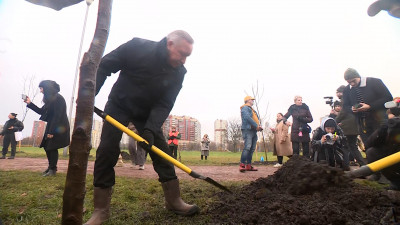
149 137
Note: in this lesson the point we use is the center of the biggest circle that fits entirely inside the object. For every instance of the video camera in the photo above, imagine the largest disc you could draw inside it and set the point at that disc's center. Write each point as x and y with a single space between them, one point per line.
329 101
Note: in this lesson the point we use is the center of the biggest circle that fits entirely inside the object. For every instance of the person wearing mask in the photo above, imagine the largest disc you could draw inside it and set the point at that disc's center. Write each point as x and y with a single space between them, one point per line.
300 133
173 137
282 144
150 78
54 112
250 127
10 127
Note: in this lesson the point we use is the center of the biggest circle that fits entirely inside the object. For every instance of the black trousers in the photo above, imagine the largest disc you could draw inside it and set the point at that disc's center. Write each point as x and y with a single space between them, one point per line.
174 150
108 151
9 139
392 173
52 158
306 148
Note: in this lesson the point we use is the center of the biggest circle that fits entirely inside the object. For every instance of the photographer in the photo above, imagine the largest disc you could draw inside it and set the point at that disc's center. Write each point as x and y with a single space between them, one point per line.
327 143
337 107
384 142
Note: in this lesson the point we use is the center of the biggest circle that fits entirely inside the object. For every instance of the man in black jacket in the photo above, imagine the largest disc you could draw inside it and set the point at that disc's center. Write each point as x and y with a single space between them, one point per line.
365 97
10 127
151 76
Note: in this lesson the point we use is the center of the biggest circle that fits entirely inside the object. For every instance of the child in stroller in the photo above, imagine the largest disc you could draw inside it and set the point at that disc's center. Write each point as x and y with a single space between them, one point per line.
327 143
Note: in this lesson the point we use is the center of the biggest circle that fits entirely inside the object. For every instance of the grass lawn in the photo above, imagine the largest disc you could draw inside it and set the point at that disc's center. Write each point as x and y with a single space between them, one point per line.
187 157
28 198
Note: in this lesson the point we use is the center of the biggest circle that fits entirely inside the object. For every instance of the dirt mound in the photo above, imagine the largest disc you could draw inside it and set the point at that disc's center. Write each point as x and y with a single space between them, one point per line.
303 192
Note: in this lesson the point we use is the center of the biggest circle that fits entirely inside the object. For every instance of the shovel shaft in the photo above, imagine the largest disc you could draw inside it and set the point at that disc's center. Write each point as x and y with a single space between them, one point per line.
377 165
153 148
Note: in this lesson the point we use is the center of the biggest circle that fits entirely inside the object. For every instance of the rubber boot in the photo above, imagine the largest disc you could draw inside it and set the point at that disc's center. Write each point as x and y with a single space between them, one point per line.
50 173
173 201
101 200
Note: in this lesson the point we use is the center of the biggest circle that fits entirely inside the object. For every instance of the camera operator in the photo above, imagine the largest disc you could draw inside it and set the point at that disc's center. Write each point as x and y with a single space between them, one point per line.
327 143
337 107
384 142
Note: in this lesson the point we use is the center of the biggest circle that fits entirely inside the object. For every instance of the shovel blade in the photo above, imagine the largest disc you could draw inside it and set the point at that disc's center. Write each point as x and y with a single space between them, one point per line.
215 183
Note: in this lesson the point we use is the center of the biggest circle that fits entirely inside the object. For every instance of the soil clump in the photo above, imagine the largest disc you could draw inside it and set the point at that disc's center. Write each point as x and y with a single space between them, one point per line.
304 192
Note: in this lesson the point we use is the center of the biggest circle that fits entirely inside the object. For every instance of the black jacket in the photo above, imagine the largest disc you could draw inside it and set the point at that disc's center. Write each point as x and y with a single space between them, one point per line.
55 114
301 117
375 94
18 126
147 85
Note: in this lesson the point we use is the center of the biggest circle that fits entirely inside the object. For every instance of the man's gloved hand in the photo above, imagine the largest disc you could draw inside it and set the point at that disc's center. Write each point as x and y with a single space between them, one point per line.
149 137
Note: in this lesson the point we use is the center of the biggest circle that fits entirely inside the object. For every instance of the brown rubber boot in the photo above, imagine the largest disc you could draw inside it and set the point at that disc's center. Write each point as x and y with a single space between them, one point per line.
173 201
101 200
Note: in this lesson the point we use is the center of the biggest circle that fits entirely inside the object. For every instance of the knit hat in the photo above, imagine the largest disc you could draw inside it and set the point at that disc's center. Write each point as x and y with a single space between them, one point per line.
330 123
351 73
13 114
341 88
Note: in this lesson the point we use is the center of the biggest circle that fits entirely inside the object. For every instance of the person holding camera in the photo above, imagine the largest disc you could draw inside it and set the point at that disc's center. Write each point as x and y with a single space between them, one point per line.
300 129
384 142
365 97
327 143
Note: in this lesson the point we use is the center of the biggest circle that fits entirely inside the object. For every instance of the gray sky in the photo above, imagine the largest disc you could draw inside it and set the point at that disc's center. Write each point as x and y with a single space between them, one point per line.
289 47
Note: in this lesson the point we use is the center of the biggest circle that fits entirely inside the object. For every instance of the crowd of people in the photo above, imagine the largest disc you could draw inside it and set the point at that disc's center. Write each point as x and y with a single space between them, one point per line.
139 102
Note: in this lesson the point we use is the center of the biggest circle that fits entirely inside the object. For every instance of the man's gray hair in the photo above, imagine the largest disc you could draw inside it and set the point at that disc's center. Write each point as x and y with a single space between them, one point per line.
178 35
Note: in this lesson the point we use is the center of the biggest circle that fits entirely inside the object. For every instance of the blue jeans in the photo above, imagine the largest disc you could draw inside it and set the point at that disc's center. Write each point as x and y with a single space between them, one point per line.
250 142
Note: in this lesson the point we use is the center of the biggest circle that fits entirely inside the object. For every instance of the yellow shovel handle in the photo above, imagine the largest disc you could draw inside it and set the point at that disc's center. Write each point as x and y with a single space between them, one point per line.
153 148
385 162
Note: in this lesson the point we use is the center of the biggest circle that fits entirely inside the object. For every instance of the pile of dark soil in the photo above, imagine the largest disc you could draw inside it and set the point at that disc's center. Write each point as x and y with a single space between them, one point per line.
304 192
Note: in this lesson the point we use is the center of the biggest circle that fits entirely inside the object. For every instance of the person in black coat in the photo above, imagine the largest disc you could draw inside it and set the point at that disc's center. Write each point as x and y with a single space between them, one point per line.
54 112
150 78
300 133
10 127
365 97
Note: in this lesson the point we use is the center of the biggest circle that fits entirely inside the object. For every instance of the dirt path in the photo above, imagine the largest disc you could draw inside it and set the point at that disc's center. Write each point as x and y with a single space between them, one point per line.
218 173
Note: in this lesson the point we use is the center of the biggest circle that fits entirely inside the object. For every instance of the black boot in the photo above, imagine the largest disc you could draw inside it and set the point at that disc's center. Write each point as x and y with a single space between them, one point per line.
173 201
3 157
46 171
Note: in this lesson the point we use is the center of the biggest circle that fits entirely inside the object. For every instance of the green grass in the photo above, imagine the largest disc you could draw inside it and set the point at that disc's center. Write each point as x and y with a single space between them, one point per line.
28 198
187 157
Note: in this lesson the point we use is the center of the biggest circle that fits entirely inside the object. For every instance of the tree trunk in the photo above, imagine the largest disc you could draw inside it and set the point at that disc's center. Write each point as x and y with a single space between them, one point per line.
75 185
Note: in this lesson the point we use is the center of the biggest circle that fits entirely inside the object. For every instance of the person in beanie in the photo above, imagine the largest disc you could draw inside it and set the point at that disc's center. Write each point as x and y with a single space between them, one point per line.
250 126
300 133
365 98
10 127
150 78
327 143
339 92
54 112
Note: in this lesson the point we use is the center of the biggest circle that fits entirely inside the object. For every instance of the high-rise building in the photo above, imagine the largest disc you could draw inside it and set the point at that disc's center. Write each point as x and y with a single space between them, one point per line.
189 127
221 133
38 130
96 132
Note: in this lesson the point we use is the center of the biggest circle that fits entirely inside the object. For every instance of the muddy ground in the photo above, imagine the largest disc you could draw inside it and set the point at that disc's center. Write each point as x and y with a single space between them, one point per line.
303 192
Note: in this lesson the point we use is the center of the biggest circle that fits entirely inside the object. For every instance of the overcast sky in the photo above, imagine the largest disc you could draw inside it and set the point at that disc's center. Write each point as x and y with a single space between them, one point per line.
289 47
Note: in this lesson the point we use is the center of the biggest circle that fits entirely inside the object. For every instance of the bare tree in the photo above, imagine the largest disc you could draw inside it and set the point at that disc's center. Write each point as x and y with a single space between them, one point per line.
258 95
234 133
30 89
